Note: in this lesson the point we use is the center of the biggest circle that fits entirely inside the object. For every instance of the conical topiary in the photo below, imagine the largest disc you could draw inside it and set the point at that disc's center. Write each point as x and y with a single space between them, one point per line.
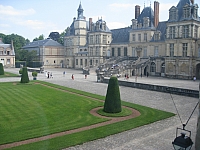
113 101
24 76
1 69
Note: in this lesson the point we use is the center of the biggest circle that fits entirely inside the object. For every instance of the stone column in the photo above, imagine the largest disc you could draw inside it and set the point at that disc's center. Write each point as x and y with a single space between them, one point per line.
197 143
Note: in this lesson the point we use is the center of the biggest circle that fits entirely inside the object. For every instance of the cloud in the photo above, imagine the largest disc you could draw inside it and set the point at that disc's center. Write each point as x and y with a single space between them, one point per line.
34 24
4 25
10 11
116 25
119 6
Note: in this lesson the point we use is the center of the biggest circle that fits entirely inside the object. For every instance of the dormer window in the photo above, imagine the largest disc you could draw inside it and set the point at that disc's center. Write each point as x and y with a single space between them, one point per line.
156 36
173 14
186 11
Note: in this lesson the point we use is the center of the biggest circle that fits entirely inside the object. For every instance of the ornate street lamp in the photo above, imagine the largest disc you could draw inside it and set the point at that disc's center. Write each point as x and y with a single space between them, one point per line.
182 142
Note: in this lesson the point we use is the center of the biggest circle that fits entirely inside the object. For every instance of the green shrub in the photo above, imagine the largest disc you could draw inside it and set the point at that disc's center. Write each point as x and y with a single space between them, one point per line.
24 77
1 69
113 101
20 71
34 74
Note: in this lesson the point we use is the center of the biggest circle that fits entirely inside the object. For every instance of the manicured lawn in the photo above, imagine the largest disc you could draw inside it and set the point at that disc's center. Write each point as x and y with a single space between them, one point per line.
33 110
8 74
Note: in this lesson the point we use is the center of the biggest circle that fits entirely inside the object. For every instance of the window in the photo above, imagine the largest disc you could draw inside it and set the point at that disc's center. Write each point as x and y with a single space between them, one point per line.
173 14
104 39
113 51
145 52
145 36
186 31
133 37
156 51
139 37
119 51
91 39
8 52
8 61
133 51
199 50
91 51
195 31
97 52
97 39
171 49
125 51
81 62
76 61
153 67
186 12
156 36
172 32
185 49
96 61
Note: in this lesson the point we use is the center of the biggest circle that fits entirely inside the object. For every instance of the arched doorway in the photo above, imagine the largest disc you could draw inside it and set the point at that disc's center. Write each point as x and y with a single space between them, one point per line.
153 69
163 69
198 71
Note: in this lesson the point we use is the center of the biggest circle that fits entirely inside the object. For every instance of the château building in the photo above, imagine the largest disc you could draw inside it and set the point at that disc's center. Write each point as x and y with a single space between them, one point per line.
169 48
7 54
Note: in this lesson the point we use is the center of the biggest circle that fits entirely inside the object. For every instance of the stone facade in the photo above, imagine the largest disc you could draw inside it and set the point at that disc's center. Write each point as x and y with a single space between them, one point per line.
169 48
50 52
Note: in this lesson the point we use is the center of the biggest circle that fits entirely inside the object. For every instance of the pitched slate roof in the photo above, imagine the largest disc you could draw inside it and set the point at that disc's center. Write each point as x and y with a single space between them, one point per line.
40 43
120 35
180 6
146 12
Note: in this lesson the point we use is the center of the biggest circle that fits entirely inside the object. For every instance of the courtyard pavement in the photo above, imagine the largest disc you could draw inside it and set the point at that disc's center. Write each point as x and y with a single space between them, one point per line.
156 136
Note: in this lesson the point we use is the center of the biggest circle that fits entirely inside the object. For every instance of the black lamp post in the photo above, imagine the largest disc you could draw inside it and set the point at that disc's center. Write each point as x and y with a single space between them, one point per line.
182 142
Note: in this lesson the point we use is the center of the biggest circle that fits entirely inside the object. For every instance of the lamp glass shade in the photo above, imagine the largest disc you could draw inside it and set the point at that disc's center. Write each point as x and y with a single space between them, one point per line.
182 143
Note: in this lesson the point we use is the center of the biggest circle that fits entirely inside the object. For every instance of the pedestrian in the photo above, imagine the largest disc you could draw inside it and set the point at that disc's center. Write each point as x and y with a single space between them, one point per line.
194 78
85 76
136 78
72 76
51 75
64 73
48 75
125 76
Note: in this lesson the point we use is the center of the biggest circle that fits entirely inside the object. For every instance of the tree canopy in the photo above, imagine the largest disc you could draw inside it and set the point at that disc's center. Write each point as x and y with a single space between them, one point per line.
41 37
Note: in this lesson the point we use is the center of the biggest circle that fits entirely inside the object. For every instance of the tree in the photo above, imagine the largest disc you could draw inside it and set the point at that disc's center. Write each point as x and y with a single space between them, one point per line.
54 36
62 35
113 101
1 69
18 42
41 37
24 76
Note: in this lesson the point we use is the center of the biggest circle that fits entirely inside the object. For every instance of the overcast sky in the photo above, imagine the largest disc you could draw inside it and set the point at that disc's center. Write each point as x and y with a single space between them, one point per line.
31 18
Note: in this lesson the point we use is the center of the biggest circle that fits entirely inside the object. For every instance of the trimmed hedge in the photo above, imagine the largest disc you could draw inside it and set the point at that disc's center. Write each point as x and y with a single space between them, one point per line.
113 101
24 76
1 69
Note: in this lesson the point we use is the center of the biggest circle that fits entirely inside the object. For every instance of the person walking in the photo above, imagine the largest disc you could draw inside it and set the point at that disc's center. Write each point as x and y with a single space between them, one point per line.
72 76
64 73
85 76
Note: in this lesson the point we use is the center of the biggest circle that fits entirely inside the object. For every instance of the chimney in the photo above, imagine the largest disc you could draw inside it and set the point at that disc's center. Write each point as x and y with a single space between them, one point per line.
74 19
137 11
156 13
12 45
90 24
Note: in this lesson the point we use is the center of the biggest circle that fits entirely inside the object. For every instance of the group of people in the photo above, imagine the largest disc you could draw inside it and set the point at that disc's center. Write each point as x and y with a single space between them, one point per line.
49 75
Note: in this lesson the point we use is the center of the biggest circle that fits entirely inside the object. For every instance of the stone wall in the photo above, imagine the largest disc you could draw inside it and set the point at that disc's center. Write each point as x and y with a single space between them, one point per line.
158 88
